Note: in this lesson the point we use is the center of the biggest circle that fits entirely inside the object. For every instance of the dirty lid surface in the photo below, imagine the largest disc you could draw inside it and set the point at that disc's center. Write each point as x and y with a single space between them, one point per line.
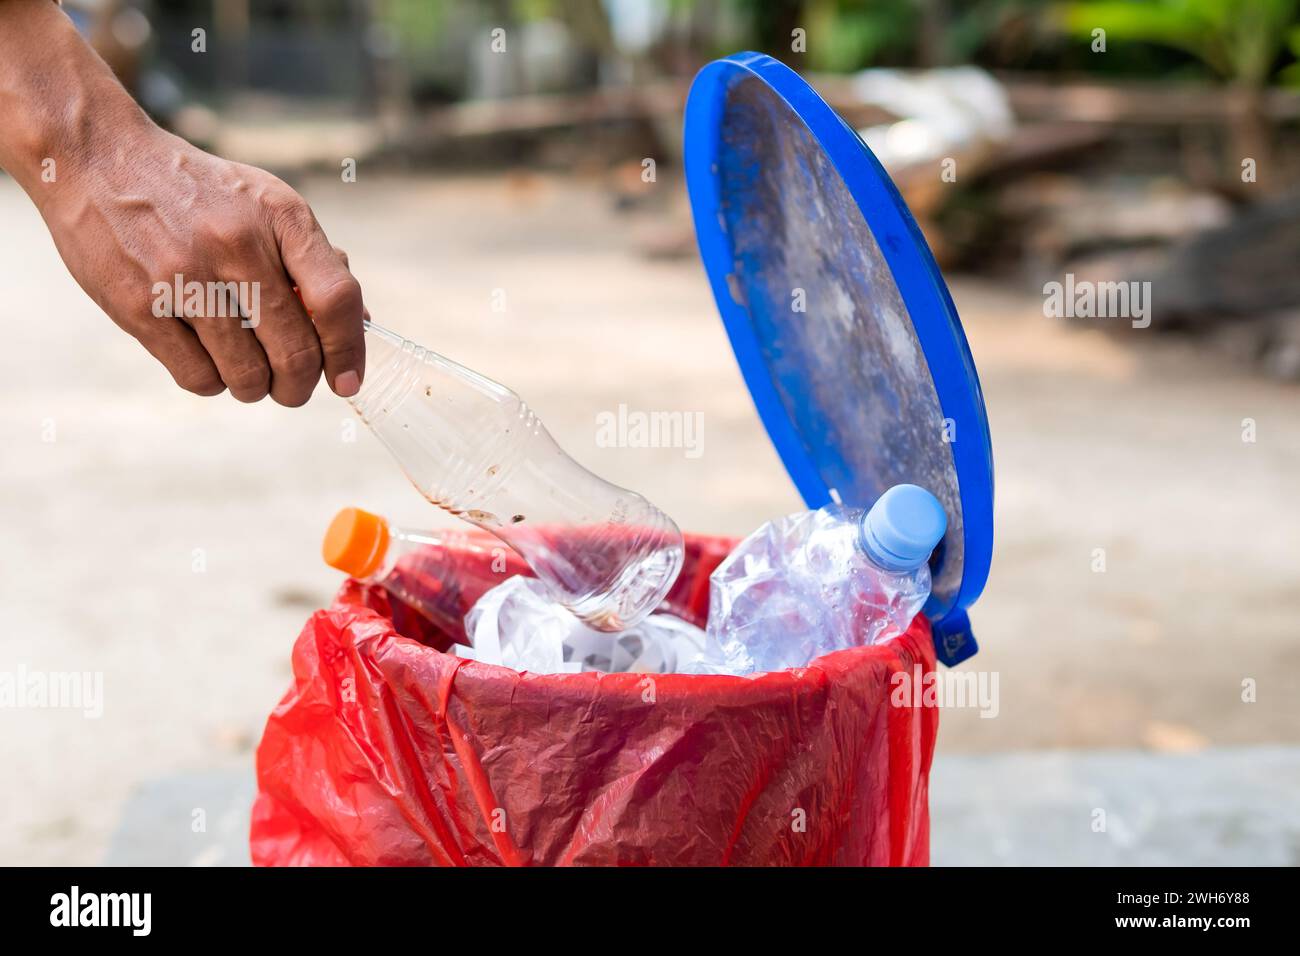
843 327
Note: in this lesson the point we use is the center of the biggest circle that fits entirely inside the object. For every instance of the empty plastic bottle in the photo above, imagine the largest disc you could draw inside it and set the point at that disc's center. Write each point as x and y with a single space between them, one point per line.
472 447
516 624
822 581
428 571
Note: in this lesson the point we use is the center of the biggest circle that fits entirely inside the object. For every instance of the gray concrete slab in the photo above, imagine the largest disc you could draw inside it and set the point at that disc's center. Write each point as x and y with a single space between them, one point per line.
1218 807
1221 807
191 820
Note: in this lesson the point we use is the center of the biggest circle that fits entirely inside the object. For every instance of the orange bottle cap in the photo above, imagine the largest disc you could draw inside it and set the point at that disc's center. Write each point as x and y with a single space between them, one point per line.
356 542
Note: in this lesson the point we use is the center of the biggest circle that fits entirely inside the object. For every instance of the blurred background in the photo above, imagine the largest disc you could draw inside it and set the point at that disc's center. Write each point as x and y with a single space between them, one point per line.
485 166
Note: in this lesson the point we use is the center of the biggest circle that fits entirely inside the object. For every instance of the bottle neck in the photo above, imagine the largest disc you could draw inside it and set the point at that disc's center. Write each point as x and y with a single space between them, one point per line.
403 536
877 553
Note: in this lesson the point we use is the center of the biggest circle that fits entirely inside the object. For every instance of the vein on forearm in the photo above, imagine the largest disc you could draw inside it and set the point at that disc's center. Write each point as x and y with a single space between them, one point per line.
58 99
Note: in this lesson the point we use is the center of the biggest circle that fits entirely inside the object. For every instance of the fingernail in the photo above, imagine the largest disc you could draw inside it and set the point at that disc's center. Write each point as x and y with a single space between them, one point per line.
347 384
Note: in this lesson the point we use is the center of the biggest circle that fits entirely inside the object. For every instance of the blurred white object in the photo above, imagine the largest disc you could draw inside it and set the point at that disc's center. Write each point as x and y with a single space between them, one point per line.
517 624
537 56
940 112
636 24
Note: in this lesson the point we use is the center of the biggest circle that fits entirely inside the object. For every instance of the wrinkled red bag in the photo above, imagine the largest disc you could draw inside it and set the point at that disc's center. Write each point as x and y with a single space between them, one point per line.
387 751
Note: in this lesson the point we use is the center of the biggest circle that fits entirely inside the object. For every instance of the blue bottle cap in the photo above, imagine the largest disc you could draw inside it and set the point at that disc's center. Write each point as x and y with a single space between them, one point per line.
840 320
903 527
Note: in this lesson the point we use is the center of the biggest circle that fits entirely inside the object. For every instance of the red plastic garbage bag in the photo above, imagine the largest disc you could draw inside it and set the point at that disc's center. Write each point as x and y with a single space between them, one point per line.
387 751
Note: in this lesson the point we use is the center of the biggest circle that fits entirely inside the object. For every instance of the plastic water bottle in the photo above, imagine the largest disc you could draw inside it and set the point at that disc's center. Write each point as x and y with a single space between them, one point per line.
822 581
428 571
474 448
516 624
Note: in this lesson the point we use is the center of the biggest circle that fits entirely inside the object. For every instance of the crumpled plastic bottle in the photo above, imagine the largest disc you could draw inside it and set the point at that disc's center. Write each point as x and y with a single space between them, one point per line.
821 581
519 625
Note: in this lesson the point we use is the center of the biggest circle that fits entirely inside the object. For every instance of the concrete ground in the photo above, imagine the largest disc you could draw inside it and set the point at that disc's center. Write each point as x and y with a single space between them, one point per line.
1222 807
170 542
1219 807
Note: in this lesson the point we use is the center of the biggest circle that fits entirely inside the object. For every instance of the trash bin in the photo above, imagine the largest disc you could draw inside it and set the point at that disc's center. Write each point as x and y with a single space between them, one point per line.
388 751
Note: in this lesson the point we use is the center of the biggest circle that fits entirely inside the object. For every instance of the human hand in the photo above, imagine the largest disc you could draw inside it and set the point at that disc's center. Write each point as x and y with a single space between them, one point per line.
195 256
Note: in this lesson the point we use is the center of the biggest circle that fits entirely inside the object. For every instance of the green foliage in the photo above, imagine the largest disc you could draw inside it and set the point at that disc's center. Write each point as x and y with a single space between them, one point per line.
416 22
420 23
998 33
852 34
1290 75
1243 41
1238 39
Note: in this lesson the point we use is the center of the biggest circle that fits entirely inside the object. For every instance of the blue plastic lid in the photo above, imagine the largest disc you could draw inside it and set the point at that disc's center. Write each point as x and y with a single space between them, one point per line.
903 527
840 320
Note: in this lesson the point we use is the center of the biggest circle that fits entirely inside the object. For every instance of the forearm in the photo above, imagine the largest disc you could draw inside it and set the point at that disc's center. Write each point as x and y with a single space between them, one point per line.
59 101
129 205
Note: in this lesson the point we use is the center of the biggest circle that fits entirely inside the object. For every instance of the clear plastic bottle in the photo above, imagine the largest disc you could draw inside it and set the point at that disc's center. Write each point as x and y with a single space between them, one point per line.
472 447
431 572
516 624
822 581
